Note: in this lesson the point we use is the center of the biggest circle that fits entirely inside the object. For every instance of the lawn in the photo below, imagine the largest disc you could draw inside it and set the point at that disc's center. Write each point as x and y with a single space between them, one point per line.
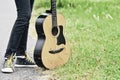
93 33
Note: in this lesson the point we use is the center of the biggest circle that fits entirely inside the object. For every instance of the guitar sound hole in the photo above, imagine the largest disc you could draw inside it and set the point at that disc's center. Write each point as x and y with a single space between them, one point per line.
54 31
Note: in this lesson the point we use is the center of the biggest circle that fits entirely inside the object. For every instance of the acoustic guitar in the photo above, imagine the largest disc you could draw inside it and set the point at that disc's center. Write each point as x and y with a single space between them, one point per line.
51 50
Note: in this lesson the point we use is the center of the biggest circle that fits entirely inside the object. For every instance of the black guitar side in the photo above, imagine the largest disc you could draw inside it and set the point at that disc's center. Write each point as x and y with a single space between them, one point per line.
41 39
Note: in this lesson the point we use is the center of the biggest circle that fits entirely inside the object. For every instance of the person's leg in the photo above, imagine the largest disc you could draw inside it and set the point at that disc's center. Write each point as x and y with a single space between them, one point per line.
20 26
23 60
23 42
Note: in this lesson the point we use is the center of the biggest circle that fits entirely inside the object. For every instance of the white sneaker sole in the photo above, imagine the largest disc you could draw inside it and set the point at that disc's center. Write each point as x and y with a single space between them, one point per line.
25 66
7 70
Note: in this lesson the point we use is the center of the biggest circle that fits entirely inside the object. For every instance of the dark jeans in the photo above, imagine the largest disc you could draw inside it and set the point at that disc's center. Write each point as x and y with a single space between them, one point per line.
18 38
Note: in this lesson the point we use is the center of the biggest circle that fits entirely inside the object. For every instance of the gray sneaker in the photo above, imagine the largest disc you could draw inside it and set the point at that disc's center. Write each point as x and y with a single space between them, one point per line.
8 66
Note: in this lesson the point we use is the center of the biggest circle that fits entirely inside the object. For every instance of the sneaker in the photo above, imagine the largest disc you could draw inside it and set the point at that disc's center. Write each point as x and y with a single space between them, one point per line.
24 61
8 66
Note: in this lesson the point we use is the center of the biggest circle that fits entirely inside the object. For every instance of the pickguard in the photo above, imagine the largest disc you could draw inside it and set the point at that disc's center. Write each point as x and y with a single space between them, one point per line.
61 38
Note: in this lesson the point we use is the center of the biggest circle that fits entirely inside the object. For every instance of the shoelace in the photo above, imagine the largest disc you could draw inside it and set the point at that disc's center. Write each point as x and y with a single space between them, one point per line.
28 58
9 62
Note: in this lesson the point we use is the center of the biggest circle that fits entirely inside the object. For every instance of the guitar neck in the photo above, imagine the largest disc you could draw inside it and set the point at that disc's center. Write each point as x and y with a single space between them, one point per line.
54 13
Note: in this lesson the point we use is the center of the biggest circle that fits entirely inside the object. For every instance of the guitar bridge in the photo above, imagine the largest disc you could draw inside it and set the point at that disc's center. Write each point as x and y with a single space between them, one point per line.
56 51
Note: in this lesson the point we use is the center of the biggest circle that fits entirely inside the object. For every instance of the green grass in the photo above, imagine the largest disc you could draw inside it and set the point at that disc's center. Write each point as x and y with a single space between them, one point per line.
93 32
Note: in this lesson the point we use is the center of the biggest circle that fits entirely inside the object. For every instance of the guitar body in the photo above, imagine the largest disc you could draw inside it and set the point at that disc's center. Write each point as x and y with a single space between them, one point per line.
51 51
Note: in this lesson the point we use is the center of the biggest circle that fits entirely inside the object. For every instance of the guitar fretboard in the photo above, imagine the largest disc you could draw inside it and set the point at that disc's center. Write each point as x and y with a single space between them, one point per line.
54 13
